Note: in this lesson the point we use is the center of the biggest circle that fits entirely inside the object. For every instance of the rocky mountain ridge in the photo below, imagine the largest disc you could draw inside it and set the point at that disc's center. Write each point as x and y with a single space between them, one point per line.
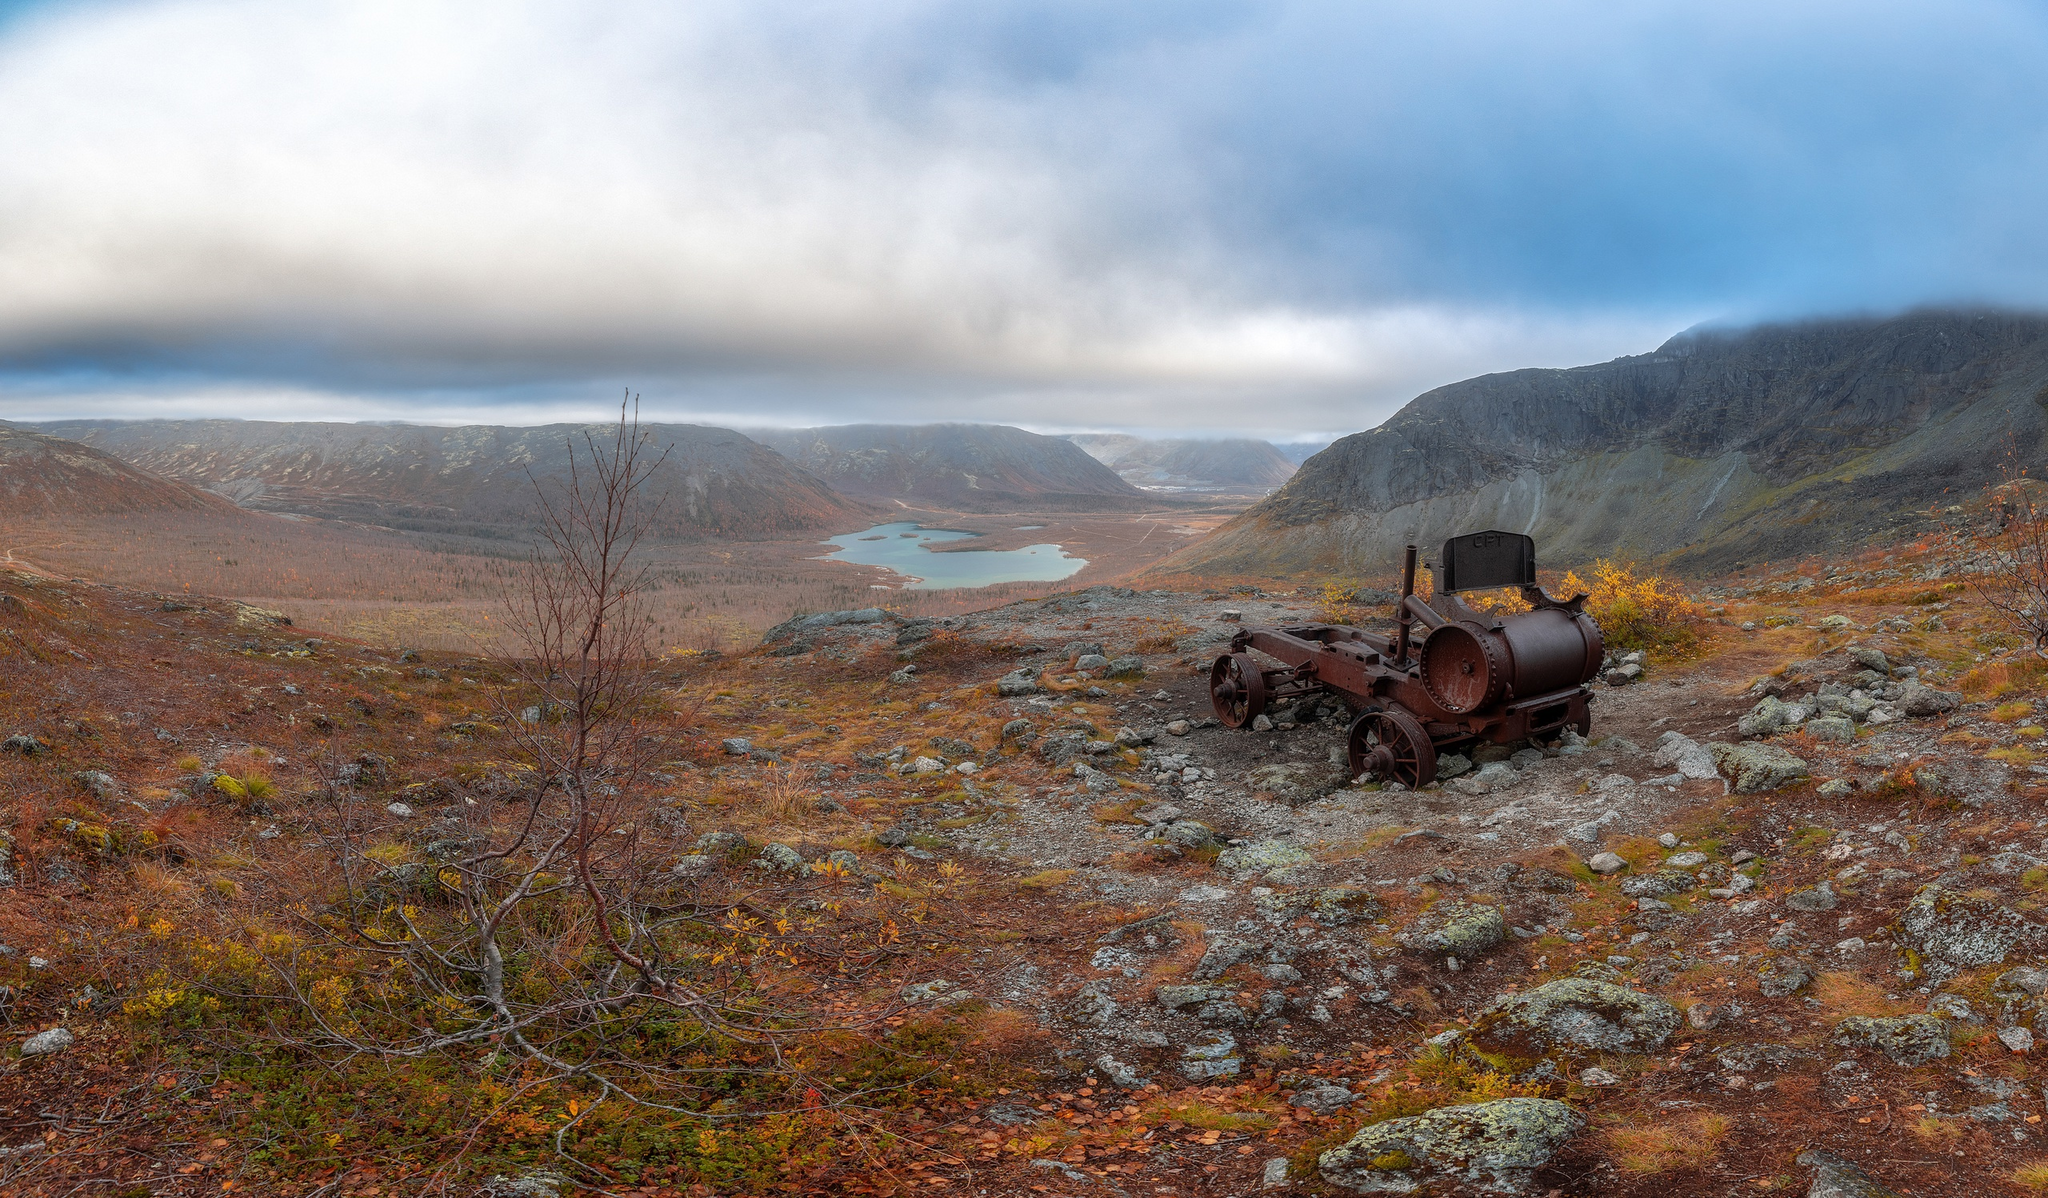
475 479
1189 463
50 476
1719 447
960 467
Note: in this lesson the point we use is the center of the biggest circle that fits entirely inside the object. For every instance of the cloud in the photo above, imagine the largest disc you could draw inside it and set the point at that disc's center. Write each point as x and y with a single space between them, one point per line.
1273 216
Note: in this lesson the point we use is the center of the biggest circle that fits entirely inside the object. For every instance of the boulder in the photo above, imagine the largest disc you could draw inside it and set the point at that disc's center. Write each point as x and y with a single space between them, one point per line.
1243 860
1676 751
1330 906
1093 663
1817 898
1870 659
1757 767
1919 699
1020 681
1836 729
1125 667
1784 977
56 1039
1296 783
1663 883
1769 715
1576 1015
1487 1147
1907 1039
1457 929
1323 1100
1451 765
1954 930
780 858
1834 1177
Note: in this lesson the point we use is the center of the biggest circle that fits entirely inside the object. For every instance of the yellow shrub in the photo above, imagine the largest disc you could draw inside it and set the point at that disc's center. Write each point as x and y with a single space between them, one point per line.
1646 612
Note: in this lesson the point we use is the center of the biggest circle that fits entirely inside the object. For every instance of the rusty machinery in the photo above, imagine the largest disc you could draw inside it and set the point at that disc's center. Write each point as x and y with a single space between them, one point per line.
1450 676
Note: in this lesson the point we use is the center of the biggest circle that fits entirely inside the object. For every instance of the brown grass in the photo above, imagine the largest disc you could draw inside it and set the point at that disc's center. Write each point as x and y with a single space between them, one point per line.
1845 994
1686 1142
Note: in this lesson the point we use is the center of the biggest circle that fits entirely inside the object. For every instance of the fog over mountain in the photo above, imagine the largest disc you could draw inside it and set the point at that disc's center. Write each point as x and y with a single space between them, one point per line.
963 467
1718 447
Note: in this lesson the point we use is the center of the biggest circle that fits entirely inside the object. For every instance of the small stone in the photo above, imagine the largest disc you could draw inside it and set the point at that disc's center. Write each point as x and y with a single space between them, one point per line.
1230 615
1837 729
1834 788
1179 728
56 1039
1819 898
1596 1076
1118 1074
1262 723
1606 863
736 746
1274 1175
1668 840
1834 1177
401 810
1323 1100
2018 1039
1093 663
1687 860
780 858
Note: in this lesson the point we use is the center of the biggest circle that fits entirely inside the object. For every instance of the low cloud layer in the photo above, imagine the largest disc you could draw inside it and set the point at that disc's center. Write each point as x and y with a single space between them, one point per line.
1264 217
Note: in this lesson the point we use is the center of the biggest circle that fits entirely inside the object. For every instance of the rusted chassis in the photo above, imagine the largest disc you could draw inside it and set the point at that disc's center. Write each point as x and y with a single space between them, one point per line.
1470 678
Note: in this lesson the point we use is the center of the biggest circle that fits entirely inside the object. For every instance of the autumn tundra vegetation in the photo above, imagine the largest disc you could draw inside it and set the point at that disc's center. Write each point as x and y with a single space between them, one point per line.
972 902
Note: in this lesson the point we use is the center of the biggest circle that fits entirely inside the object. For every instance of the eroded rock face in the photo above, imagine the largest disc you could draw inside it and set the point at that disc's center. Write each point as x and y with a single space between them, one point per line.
1576 1015
1907 1039
1950 930
1488 1147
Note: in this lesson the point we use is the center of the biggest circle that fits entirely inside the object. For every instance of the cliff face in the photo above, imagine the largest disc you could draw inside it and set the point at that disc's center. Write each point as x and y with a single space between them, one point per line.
475 479
964 467
1718 447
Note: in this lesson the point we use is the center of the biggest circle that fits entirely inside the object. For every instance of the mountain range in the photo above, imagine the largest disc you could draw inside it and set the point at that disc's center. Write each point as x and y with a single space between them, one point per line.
957 467
1189 464
1718 448
475 480
43 476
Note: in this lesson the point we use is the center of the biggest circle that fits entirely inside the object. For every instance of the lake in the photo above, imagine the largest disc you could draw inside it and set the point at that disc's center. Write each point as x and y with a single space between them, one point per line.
901 547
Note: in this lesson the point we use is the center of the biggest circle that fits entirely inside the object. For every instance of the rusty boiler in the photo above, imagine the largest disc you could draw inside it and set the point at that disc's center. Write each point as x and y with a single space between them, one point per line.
1449 676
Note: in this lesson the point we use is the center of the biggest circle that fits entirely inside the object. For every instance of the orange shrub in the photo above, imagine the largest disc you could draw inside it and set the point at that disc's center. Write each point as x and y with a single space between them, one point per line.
1638 611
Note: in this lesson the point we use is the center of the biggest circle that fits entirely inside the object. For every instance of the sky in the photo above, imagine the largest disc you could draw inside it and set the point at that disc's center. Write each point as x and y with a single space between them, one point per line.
1195 216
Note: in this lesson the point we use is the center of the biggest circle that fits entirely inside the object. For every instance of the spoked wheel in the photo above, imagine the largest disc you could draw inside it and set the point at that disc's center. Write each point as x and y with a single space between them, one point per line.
1391 746
1237 688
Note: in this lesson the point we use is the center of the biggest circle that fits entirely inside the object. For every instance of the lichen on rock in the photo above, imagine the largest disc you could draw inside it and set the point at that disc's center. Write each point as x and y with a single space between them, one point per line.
1489 1147
1907 1039
1576 1015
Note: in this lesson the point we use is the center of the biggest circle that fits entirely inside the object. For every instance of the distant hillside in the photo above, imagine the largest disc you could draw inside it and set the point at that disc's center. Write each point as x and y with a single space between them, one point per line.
1234 464
962 467
473 480
1719 447
43 476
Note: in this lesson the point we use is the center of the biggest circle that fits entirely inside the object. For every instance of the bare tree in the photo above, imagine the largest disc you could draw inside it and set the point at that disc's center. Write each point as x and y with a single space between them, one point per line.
549 936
